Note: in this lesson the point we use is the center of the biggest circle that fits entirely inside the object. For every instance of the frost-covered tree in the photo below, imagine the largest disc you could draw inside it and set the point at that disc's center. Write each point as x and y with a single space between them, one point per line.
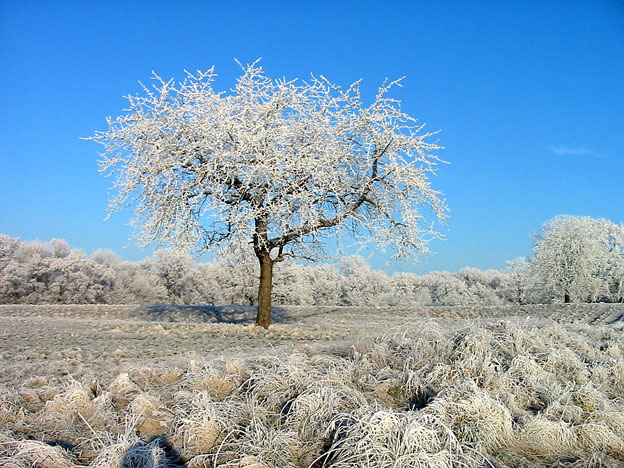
518 280
106 257
13 274
75 279
326 283
577 257
8 248
231 277
52 272
446 289
137 283
174 268
614 268
59 248
361 285
408 290
484 287
277 164
292 285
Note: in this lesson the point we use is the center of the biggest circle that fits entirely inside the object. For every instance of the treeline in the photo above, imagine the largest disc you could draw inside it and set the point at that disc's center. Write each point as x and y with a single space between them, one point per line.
575 259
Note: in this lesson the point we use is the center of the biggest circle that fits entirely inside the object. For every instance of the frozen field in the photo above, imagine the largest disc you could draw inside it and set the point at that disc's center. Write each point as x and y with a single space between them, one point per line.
431 387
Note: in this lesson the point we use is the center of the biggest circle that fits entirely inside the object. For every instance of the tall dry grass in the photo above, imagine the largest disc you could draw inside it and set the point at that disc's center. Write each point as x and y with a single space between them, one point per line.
498 394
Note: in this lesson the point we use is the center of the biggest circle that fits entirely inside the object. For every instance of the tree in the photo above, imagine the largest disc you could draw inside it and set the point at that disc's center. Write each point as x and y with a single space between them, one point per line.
279 164
106 257
408 290
13 274
52 272
75 279
325 283
614 268
229 277
578 256
484 287
445 288
293 285
518 281
174 268
361 285
137 283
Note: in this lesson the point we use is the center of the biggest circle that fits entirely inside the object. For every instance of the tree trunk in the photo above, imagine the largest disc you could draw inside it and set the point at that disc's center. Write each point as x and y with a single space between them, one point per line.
263 318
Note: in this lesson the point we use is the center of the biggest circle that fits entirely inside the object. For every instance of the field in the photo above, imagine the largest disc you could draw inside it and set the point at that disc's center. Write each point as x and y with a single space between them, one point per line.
171 386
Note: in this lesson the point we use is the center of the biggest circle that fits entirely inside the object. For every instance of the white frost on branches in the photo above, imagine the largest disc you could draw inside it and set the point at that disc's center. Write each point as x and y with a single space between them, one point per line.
580 258
280 163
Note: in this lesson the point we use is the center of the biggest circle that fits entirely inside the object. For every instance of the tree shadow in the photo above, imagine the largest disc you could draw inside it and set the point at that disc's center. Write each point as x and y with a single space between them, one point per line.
237 314
158 452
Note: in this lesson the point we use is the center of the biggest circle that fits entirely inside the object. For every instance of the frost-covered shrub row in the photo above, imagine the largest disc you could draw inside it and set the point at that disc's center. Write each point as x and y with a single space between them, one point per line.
48 273
576 259
504 394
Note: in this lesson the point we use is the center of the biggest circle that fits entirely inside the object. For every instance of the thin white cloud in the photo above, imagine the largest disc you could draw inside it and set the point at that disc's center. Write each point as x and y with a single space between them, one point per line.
568 151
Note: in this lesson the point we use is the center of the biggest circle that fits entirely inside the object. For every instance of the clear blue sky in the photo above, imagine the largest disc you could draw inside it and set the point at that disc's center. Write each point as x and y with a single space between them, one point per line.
529 97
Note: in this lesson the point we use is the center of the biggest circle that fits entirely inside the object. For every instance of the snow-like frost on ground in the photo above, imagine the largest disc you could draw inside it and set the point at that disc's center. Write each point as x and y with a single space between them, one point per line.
343 387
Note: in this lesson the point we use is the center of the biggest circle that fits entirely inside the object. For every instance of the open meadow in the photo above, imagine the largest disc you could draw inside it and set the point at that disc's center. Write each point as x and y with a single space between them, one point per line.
169 386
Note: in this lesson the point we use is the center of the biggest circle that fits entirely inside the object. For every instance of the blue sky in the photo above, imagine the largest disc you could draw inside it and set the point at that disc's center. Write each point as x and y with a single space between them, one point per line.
529 97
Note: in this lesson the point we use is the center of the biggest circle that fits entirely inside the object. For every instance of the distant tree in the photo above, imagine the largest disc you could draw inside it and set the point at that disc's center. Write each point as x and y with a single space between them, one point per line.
13 274
59 248
8 249
577 257
446 289
408 290
52 272
292 284
137 283
231 276
76 279
174 267
326 283
279 164
484 287
614 270
361 285
518 280
616 280
106 257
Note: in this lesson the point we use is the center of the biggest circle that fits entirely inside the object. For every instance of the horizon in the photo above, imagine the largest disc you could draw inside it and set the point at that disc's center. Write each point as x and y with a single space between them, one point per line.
528 99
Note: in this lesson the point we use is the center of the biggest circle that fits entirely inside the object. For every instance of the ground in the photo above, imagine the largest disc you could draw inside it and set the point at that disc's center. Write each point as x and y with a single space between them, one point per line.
118 376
